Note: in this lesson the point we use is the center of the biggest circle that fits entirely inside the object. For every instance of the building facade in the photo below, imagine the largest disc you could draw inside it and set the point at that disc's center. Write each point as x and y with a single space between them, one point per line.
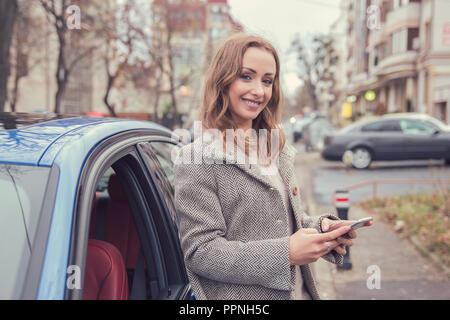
399 50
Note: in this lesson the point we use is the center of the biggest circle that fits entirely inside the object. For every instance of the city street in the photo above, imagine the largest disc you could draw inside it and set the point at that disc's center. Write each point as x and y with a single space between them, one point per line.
403 272
331 176
328 177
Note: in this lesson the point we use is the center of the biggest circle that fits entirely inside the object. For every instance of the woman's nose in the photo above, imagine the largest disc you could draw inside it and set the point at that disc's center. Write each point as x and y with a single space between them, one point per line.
258 89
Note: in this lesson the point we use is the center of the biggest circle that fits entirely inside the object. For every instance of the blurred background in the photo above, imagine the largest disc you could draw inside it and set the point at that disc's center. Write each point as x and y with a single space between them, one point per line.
342 59
345 63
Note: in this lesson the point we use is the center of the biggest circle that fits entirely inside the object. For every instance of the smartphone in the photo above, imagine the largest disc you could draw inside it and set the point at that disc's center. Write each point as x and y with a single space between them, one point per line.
361 222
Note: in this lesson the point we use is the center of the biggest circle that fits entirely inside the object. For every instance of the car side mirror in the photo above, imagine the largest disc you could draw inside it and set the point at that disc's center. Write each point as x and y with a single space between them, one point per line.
436 131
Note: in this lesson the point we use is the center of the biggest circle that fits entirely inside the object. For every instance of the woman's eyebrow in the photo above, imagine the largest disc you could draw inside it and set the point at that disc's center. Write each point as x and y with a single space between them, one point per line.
253 71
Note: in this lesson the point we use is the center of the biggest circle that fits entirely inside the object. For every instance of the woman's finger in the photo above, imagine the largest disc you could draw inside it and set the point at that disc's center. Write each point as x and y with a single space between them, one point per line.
325 224
332 235
351 234
340 250
334 224
345 241
328 246
310 231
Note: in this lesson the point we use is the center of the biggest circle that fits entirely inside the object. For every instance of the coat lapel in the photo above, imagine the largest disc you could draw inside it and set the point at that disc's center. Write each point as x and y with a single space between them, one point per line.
287 172
213 150
285 167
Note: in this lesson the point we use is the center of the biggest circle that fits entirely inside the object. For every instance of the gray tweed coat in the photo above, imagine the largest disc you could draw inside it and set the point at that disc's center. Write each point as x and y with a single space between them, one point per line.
234 228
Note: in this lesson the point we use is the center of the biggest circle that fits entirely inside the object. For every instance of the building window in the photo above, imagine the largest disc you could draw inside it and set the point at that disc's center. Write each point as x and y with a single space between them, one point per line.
376 59
413 33
399 41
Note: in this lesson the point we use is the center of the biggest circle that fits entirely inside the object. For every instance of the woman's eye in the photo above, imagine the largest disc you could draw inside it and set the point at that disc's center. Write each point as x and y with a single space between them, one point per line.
245 76
268 81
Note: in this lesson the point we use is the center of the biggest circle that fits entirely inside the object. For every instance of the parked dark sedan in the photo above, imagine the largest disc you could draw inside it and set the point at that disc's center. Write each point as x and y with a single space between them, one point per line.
401 136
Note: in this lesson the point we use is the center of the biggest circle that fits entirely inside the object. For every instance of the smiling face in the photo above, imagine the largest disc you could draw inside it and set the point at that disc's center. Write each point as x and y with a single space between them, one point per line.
252 89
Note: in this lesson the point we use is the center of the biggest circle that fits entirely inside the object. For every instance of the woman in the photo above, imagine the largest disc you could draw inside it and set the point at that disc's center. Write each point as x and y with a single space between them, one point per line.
243 232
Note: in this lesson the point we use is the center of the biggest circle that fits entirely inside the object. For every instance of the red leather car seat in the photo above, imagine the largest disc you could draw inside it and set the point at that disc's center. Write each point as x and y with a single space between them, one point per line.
105 275
120 229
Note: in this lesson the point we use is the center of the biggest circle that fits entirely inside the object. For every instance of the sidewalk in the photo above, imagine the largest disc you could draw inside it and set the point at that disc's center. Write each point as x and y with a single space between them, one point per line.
404 273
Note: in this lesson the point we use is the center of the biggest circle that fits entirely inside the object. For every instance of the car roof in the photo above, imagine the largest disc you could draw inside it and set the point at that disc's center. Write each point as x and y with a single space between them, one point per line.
418 116
26 138
412 115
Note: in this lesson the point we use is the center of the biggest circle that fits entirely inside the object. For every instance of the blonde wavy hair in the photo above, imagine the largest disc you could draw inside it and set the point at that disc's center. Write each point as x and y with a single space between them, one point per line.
224 69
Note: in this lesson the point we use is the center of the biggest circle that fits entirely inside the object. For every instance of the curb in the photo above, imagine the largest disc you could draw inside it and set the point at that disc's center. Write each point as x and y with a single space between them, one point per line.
426 253
435 260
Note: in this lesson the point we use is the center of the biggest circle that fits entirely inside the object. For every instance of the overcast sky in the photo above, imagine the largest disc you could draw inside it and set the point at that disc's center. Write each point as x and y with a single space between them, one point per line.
279 20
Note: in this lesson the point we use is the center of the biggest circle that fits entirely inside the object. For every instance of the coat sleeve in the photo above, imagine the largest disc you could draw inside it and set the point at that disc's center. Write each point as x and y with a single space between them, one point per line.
316 222
203 231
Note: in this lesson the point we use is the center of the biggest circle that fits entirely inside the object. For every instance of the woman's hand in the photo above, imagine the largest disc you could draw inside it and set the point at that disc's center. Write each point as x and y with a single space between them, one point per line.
308 245
330 225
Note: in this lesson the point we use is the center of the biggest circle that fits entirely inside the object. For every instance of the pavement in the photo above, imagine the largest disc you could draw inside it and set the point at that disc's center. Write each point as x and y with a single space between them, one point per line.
385 266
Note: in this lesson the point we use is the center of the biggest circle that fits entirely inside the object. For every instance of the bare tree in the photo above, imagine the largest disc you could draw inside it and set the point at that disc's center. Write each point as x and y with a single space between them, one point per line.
57 15
168 20
8 13
118 46
27 38
316 66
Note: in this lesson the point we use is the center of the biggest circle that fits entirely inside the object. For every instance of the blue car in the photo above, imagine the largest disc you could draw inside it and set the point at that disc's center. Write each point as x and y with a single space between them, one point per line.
87 209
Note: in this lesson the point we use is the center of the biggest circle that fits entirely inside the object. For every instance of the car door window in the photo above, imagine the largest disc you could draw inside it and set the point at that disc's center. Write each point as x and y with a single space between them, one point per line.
158 157
151 154
416 127
22 190
382 126
164 152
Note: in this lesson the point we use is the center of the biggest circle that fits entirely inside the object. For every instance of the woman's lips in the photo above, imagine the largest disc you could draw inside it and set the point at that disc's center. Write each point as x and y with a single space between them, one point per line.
252 104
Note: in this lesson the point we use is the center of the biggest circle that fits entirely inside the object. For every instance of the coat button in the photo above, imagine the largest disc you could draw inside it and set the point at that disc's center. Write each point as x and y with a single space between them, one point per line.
295 191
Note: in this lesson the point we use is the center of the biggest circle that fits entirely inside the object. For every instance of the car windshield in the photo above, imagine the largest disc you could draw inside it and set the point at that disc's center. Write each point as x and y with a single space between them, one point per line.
22 191
438 123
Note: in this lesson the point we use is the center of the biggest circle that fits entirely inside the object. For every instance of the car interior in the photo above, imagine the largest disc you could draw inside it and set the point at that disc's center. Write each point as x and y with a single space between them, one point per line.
133 225
114 247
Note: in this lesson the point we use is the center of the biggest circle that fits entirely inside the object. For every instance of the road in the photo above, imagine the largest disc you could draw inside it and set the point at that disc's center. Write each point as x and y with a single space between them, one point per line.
330 176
